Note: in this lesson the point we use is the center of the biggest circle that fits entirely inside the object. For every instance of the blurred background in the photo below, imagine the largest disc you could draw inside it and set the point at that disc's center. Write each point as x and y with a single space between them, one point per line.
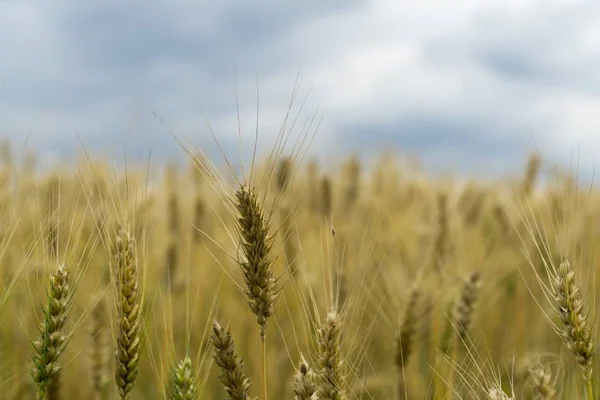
424 166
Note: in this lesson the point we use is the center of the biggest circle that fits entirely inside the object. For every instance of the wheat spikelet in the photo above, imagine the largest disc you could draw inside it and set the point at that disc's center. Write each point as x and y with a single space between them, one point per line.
540 380
128 349
405 338
576 333
183 386
304 382
53 341
331 380
465 305
232 367
257 267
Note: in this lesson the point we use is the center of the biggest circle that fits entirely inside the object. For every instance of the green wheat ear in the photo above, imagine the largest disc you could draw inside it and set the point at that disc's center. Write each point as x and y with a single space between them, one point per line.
183 385
53 341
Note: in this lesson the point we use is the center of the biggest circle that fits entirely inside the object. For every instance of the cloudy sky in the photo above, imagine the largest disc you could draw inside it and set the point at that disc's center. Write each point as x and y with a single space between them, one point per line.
471 85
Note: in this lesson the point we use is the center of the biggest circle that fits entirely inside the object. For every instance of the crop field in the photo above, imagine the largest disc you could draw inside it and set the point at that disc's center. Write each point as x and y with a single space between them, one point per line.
291 280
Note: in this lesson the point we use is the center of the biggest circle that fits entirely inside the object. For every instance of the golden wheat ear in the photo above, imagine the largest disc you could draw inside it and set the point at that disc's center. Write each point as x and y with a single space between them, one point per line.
331 378
465 306
128 349
232 374
405 338
576 332
53 340
257 266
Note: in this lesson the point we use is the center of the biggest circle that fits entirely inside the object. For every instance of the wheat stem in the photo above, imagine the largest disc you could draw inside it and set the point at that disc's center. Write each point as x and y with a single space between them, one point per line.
263 345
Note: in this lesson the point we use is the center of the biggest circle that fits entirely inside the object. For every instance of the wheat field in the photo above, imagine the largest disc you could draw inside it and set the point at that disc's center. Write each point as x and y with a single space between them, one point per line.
295 280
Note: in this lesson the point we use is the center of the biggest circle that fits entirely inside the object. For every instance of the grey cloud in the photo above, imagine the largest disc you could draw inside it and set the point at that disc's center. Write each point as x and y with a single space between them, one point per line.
539 47
89 67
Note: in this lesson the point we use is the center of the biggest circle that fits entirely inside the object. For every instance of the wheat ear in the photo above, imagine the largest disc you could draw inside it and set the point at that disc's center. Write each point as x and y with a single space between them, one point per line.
304 382
257 266
331 379
53 341
128 349
405 338
183 385
466 305
232 367
576 333
541 382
